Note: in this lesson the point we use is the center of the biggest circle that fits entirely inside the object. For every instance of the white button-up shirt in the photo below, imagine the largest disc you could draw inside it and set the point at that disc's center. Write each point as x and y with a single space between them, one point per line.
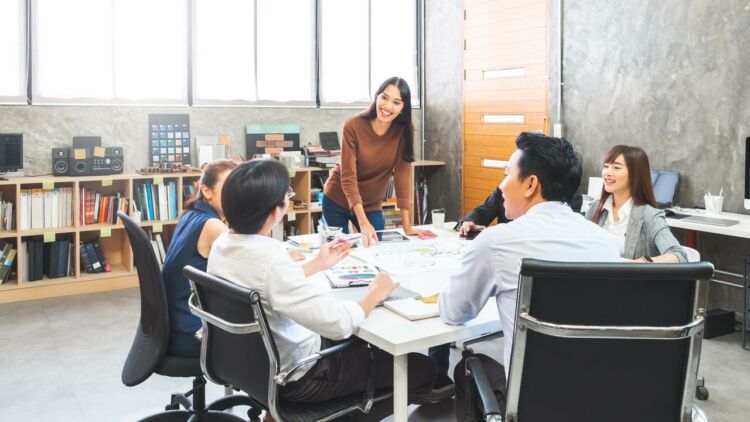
298 312
550 231
620 227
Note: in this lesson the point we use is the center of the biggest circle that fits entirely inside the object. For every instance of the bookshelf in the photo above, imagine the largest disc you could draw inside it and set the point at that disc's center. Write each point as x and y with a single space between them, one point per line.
112 237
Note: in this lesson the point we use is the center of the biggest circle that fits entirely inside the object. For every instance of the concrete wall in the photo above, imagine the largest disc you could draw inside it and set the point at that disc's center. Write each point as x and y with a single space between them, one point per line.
670 76
444 108
45 127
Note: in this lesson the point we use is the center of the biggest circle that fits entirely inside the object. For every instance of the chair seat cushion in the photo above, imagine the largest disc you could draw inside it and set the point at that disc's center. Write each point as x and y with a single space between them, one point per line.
174 366
306 412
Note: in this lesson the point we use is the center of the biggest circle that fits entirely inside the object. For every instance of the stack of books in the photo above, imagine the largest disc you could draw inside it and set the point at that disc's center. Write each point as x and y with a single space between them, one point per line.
319 157
44 209
98 208
6 214
52 259
156 202
7 256
93 259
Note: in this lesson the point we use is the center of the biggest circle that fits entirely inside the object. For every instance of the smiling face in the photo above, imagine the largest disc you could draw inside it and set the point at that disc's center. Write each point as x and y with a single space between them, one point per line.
515 191
616 177
389 104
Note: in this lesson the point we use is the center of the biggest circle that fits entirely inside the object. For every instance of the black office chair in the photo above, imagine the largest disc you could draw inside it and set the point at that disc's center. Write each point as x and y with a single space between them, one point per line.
148 352
239 349
602 342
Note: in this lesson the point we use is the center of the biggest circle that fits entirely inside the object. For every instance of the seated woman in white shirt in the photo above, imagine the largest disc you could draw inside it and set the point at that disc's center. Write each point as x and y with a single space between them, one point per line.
627 209
303 317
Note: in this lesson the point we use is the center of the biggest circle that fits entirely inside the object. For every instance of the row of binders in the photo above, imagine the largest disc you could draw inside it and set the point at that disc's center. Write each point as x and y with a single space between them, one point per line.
156 202
99 208
39 259
7 256
93 259
45 209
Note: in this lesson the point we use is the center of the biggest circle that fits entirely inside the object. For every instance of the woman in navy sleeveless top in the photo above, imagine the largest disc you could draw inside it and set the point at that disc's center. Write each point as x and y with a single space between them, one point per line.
196 231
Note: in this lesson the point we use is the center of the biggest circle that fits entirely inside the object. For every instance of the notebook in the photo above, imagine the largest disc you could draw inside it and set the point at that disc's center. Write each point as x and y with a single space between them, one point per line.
412 309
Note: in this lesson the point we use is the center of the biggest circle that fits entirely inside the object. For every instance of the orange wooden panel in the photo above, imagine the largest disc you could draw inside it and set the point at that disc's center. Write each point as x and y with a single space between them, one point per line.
507 95
531 71
494 6
490 141
485 173
529 118
498 129
504 84
508 25
493 153
482 184
536 105
503 59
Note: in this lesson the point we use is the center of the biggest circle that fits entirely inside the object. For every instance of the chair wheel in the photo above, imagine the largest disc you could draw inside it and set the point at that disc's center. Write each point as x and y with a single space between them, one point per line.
701 393
253 415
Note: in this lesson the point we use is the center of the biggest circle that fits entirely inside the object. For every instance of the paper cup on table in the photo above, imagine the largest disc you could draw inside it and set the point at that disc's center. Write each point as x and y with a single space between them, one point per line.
438 218
714 204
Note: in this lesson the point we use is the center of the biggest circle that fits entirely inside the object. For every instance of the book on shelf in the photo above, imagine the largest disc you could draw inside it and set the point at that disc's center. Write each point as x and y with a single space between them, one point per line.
6 215
7 256
40 259
99 208
156 202
45 209
93 258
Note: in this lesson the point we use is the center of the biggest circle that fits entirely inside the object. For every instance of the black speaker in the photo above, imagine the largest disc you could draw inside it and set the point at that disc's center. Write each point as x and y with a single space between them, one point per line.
111 163
80 167
60 161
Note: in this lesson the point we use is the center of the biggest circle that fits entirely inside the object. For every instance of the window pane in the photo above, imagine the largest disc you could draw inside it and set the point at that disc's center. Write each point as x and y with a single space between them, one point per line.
286 41
344 60
150 41
394 43
12 48
72 49
220 72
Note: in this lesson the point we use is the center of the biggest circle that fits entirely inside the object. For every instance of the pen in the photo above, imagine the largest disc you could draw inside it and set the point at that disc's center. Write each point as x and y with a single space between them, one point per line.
358 284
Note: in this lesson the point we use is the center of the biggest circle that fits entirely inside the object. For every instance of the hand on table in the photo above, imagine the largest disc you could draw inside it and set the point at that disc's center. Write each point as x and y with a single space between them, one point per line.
419 232
469 226
369 236
382 286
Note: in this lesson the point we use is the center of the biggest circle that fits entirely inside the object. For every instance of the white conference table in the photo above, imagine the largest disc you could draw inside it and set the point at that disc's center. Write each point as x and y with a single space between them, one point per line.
738 230
399 336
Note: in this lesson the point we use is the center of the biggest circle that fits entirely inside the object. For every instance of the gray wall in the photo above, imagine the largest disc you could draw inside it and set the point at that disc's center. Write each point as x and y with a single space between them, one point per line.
444 108
45 127
670 76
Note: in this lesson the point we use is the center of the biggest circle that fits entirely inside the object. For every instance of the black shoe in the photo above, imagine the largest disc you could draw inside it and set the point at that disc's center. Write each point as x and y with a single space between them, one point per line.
443 389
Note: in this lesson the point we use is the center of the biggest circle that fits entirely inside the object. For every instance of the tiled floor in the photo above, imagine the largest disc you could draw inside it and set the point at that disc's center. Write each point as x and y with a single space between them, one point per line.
60 360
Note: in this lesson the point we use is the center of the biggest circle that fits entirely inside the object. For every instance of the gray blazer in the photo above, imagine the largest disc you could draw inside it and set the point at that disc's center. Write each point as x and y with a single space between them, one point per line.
648 233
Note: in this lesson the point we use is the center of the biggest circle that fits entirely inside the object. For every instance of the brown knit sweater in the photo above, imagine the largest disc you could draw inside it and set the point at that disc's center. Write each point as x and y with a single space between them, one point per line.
367 160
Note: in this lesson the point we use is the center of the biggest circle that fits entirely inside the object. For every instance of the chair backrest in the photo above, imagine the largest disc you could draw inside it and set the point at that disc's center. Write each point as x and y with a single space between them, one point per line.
237 348
598 341
152 335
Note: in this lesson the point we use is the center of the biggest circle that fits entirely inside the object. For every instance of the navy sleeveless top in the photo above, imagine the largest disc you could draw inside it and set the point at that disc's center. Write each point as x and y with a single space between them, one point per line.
182 251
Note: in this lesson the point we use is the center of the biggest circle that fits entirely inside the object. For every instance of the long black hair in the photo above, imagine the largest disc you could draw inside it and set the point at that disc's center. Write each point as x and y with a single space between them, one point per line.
404 118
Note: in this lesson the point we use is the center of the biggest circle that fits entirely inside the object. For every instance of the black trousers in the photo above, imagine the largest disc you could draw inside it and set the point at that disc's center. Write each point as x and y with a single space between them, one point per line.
347 372
496 376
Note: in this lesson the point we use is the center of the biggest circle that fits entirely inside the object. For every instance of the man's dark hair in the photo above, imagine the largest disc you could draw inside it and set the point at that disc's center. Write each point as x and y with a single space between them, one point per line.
553 161
251 192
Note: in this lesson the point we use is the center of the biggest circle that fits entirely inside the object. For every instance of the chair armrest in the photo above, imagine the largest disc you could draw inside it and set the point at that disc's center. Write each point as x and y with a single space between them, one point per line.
492 410
282 378
230 327
483 337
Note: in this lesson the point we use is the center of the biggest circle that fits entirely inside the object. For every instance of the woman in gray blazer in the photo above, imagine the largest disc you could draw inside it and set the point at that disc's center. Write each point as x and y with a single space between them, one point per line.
626 209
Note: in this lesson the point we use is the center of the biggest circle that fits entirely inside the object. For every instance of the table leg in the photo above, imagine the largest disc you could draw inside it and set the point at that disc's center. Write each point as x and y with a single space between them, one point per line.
692 239
400 388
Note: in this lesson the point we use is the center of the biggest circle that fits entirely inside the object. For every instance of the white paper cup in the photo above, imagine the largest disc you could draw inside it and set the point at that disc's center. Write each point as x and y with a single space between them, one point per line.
714 204
438 218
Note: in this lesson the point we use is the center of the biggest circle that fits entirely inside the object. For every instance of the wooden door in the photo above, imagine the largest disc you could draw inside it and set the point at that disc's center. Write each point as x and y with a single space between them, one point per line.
505 87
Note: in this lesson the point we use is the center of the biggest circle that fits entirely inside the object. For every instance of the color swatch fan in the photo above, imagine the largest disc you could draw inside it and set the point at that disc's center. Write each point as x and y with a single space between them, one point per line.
170 138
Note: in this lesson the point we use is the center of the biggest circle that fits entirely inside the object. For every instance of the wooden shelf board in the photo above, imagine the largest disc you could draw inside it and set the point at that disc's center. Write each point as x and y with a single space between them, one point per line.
74 287
98 227
8 234
46 281
163 222
39 232
9 285
118 270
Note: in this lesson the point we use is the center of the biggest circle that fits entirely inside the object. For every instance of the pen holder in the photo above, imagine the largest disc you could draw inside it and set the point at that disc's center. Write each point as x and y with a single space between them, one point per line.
714 204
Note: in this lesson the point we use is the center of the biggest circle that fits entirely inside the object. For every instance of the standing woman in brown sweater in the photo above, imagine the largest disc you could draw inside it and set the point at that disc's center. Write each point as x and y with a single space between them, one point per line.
376 143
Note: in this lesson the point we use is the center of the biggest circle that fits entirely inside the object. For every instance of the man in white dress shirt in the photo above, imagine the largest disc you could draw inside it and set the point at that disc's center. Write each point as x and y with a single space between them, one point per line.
303 318
540 176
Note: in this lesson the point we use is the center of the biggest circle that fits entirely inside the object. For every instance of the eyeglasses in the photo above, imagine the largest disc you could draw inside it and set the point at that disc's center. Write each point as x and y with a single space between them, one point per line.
290 193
